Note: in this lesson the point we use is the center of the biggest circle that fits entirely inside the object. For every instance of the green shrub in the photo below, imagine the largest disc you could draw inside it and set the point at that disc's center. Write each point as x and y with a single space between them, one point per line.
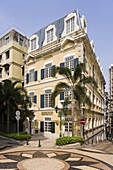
69 140
21 136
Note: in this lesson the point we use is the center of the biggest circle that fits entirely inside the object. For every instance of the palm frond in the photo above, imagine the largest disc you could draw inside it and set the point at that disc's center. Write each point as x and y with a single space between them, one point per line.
89 80
78 71
60 87
65 72
65 105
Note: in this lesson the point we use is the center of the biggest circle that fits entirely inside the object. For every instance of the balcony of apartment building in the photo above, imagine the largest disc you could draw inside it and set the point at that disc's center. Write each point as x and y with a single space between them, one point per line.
5 59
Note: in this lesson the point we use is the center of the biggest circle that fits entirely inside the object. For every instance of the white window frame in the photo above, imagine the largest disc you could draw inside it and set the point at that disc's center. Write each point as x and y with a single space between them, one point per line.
68 93
47 98
70 25
49 28
68 124
50 35
48 69
69 62
31 95
47 124
31 75
33 44
76 27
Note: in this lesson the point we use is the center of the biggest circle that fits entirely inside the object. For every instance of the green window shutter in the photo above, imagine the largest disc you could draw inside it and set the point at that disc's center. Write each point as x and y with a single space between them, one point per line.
42 74
52 127
75 62
35 75
61 64
42 101
35 99
61 95
41 126
27 78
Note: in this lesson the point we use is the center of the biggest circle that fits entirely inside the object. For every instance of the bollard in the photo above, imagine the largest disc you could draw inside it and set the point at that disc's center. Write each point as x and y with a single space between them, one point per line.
27 142
39 145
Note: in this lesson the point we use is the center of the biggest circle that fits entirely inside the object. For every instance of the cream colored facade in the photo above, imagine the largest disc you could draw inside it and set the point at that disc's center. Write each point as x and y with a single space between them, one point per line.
65 41
13 49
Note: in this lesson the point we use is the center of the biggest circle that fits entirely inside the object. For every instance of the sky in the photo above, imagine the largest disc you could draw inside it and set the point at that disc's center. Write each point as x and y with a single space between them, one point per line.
31 15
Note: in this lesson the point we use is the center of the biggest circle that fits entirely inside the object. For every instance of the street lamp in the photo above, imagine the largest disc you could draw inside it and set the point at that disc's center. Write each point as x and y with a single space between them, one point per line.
60 113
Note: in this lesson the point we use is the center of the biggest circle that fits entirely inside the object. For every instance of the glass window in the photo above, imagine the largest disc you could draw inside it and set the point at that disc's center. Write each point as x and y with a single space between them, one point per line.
68 93
70 25
49 35
33 44
7 71
21 41
31 75
31 95
69 62
7 40
47 98
68 126
47 72
7 54
47 124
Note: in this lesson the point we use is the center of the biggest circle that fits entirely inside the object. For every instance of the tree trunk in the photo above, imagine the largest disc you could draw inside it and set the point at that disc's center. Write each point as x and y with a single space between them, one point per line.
8 118
73 117
2 122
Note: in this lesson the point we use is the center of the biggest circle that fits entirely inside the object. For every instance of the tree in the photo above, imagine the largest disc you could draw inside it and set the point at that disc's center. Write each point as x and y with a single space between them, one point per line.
75 83
12 97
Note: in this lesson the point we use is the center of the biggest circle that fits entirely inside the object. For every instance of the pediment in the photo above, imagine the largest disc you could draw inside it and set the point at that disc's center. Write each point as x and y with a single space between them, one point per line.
30 58
67 41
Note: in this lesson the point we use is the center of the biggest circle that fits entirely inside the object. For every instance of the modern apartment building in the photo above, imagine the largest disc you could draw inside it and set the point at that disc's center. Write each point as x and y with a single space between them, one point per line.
64 42
111 86
13 49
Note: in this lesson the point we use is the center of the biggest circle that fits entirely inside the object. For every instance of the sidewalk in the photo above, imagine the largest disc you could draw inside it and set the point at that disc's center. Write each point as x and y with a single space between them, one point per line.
90 157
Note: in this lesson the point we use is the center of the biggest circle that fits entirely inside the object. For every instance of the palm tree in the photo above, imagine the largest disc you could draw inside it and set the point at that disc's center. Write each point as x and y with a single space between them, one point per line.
12 97
75 83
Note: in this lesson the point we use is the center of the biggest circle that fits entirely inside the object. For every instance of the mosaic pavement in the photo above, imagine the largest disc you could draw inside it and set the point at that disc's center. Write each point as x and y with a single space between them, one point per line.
76 161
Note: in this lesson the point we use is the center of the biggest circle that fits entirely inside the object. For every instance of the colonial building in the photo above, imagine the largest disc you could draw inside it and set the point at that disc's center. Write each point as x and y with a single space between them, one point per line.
13 49
62 43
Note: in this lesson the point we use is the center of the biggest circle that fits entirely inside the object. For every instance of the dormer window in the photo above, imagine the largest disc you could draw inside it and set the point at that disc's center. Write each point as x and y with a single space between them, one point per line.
33 44
50 35
70 25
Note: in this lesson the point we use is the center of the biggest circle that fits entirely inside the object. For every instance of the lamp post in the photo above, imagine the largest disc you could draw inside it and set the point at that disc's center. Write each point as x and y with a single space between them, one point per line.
60 113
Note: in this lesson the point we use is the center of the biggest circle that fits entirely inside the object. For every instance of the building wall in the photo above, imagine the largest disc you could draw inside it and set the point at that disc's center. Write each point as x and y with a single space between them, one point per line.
17 49
74 44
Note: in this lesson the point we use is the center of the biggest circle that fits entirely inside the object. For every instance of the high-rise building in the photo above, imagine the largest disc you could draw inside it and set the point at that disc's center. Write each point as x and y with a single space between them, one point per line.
13 49
111 87
64 42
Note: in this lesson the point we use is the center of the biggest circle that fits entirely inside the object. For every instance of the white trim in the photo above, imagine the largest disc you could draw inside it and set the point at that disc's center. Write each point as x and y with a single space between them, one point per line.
54 35
66 39
48 62
76 27
31 68
31 38
68 55
31 91
47 88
